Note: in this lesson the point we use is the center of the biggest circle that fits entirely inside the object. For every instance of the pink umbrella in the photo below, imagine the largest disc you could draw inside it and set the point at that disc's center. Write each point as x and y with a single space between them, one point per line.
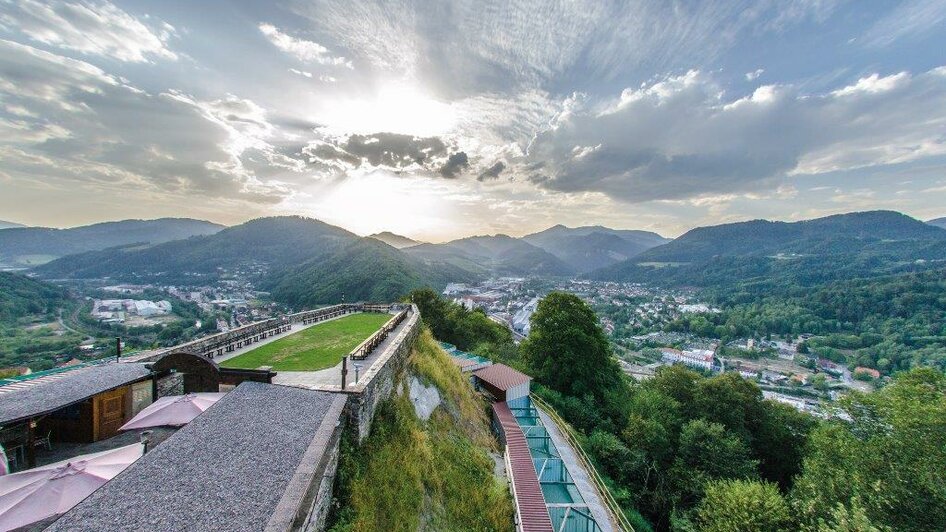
35 494
173 411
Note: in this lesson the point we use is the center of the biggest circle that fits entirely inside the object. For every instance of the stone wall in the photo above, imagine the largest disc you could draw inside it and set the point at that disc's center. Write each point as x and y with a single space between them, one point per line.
364 399
172 384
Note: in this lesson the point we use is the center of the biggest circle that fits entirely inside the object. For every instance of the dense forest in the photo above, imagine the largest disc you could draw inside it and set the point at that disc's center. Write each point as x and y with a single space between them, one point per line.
26 304
688 452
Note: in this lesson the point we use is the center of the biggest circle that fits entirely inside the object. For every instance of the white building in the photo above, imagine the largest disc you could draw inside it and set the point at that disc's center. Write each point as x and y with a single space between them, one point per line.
697 358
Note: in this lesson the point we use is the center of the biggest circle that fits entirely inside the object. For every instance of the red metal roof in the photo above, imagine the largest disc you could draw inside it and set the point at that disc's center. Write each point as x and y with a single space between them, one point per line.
533 514
501 376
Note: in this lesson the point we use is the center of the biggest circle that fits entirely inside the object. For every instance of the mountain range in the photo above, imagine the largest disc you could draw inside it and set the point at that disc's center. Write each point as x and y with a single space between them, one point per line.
9 225
29 246
765 253
938 222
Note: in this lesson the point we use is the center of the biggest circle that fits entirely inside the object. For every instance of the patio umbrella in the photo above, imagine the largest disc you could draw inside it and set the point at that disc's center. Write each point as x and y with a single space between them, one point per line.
38 493
174 410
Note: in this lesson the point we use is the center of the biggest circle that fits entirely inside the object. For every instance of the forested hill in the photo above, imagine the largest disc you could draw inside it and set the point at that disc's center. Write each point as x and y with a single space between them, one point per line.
771 253
24 246
276 242
21 296
365 270
304 261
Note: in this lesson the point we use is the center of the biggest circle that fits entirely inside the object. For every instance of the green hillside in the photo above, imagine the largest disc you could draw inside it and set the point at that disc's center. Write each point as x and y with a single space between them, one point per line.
411 474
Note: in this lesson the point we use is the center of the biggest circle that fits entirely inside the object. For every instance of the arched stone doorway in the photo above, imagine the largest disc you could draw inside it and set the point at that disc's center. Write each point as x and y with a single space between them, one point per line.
183 372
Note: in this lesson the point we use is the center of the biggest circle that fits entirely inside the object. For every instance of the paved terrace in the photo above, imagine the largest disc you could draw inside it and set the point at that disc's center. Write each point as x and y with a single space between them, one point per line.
252 462
330 379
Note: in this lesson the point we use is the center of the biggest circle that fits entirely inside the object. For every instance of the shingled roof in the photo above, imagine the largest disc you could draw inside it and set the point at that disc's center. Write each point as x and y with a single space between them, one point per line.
501 376
35 397
244 464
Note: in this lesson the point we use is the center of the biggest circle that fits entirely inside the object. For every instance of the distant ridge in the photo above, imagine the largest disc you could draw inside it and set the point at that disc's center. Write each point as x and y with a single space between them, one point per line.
592 247
843 246
938 222
8 225
29 246
394 240
500 255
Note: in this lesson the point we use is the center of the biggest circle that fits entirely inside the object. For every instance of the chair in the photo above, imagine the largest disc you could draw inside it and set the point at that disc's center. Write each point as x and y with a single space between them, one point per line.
44 442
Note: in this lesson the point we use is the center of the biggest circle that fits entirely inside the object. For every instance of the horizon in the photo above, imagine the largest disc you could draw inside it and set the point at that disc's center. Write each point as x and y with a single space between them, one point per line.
421 241
472 117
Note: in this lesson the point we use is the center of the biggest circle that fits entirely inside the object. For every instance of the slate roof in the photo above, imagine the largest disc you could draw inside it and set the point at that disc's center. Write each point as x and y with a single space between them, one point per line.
235 467
530 502
501 376
34 397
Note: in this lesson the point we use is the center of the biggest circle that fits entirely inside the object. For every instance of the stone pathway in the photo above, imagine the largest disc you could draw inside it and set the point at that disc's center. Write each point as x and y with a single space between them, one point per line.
579 475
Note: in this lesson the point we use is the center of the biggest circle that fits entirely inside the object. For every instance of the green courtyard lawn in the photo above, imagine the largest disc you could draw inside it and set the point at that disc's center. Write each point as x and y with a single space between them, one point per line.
318 347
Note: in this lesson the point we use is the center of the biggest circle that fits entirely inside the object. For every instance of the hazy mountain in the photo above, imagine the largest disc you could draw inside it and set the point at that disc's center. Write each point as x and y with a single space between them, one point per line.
394 240
808 252
261 245
938 222
29 246
366 270
9 225
493 255
592 247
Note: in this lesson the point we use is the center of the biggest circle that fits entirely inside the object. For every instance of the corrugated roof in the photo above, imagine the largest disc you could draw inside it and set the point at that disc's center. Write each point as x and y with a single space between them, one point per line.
463 362
530 501
48 393
230 468
501 376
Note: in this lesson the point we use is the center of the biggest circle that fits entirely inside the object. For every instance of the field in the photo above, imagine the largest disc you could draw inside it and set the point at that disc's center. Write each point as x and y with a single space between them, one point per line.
318 347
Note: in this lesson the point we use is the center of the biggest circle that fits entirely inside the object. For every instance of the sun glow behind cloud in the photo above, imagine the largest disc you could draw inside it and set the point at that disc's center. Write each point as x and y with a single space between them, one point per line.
396 107
379 201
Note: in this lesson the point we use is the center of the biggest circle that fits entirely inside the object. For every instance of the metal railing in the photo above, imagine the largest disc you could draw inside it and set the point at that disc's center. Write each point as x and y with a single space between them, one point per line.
617 514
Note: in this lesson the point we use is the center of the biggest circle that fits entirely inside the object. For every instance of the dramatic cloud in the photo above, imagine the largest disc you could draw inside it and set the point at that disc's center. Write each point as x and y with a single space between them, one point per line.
95 28
492 172
301 49
65 119
680 137
455 164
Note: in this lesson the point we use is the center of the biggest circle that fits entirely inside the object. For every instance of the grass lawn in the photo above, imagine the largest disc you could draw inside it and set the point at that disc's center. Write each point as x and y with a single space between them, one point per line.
318 347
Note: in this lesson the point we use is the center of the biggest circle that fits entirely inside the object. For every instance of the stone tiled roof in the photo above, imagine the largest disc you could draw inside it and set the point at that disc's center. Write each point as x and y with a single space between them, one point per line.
501 376
245 461
34 397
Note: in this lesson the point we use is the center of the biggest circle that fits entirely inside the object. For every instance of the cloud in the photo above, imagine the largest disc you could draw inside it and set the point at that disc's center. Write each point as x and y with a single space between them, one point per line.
456 163
303 50
492 172
392 151
67 121
92 28
754 75
909 20
467 47
680 137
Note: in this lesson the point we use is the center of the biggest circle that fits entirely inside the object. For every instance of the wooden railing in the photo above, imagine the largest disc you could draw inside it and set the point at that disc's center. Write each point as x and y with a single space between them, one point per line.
617 514
372 342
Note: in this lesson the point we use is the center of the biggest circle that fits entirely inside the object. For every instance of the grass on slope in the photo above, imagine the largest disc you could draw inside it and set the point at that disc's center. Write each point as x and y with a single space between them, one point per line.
435 475
321 346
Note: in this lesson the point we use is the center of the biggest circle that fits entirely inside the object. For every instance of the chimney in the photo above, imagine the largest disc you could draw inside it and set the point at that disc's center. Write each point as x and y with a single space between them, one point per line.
118 348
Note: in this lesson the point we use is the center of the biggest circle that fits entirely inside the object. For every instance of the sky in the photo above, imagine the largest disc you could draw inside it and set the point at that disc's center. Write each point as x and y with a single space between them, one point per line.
439 120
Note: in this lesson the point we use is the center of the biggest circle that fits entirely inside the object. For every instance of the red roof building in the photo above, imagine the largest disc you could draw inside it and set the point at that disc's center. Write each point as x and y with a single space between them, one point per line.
502 382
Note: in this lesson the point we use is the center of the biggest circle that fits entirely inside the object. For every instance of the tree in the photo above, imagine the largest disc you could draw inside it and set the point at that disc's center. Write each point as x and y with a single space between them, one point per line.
567 350
742 506
890 456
